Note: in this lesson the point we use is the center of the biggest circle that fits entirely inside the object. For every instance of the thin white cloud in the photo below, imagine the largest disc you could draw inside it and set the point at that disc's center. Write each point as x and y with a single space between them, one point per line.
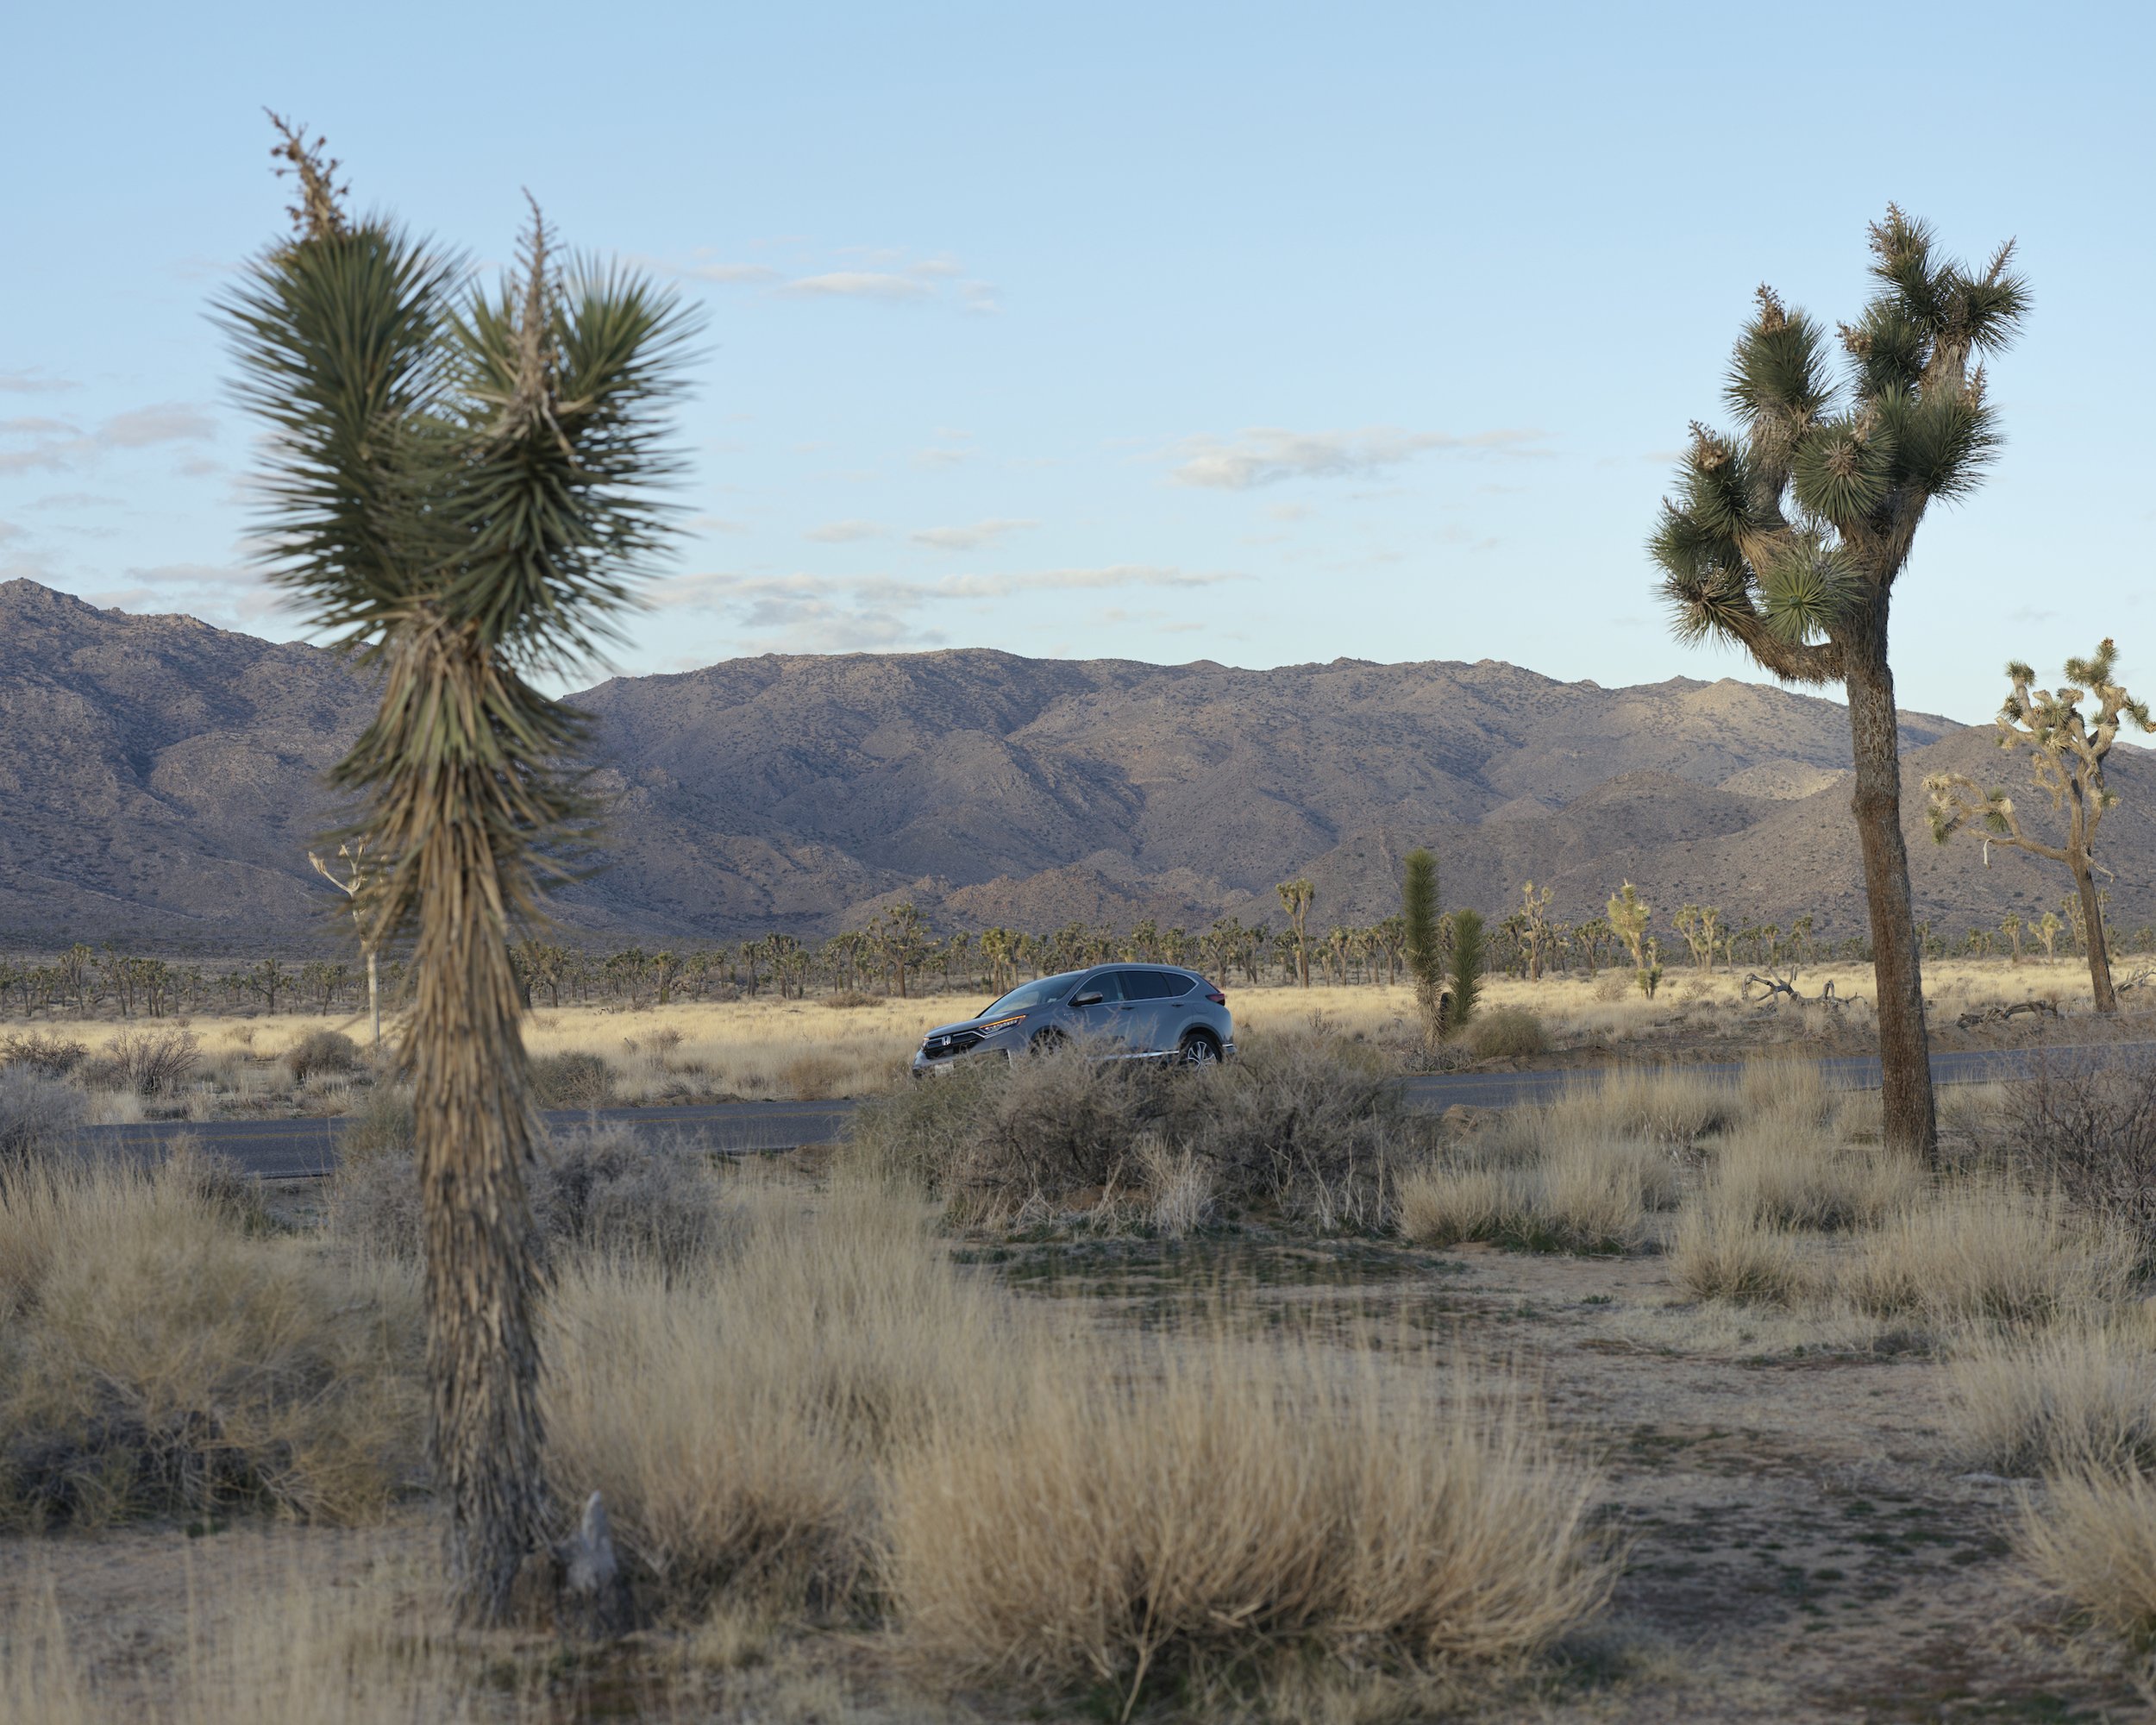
855 285
716 524
732 274
843 532
842 613
10 531
170 421
55 444
1267 454
33 382
971 538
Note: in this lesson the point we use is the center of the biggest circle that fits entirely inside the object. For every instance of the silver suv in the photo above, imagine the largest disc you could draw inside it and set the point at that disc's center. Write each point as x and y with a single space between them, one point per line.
1132 1012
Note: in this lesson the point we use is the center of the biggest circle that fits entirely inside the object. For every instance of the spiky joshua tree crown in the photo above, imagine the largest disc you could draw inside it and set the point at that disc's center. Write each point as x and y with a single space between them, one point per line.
1785 536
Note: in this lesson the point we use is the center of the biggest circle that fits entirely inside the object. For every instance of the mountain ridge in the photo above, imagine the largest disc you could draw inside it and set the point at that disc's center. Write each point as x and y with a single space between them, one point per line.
165 780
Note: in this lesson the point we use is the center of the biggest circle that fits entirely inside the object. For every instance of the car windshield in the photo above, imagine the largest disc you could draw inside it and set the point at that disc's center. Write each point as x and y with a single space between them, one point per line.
1036 993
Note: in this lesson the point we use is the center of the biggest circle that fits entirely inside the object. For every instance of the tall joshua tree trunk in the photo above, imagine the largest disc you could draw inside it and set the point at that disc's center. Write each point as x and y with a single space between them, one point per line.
473 1128
1875 736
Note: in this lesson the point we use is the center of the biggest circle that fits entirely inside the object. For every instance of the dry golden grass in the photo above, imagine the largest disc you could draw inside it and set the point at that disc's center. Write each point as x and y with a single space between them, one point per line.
734 1415
155 1356
1185 1504
2089 1537
1982 1251
1723 1248
2074 1396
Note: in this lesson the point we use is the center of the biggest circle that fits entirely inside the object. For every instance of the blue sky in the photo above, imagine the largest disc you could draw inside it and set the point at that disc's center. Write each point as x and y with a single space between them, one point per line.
1258 334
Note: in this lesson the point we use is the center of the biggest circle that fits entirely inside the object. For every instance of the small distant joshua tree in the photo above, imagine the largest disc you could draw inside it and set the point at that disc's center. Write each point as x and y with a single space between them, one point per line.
1786 538
2010 926
353 886
1296 897
1426 959
1628 918
456 489
2047 928
1700 927
2066 751
1536 932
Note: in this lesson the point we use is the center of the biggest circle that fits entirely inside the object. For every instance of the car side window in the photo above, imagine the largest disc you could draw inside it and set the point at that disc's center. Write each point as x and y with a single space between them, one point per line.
1145 985
1107 985
1178 984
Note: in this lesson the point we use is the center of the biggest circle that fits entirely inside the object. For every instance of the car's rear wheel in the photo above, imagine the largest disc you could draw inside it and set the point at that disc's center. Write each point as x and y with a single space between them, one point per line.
1200 1050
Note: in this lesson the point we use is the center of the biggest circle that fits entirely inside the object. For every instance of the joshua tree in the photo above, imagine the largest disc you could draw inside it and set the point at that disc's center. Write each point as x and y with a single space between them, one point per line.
1467 967
1534 927
2066 751
1787 539
1700 927
454 490
903 936
1295 898
2010 926
2048 928
1426 963
354 850
1628 918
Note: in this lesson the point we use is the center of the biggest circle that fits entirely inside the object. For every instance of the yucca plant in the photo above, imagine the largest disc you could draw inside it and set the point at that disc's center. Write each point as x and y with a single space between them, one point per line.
458 488
1786 538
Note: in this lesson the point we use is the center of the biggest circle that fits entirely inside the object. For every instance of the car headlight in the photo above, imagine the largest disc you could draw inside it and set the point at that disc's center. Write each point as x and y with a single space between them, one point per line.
1002 1023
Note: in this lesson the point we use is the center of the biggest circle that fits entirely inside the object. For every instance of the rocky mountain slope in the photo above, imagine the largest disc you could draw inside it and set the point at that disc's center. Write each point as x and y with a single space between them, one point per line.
160 780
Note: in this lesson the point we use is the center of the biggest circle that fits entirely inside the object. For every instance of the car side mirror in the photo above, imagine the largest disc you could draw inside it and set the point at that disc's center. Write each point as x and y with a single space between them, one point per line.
1092 1000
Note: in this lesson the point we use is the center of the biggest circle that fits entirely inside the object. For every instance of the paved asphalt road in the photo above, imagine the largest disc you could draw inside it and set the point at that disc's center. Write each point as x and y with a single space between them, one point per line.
289 1149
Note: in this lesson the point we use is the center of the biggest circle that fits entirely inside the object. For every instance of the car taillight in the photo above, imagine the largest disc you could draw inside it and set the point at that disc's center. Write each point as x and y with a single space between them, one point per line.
1216 997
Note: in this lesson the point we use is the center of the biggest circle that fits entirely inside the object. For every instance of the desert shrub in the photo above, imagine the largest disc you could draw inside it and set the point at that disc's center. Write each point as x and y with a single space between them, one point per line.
146 1063
1446 1204
1986 1251
1790 1090
736 1417
599 1190
1567 1193
576 1079
323 1051
603 1189
1724 1249
2090 1538
383 1124
1180 1189
1793 1173
1664 1104
2088 1126
1155 1511
53 1056
1506 1030
158 1359
847 1000
2067 1397
1304 1123
38 1114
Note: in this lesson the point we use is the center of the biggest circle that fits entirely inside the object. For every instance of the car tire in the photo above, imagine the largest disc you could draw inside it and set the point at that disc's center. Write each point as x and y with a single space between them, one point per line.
1199 1049
1047 1041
